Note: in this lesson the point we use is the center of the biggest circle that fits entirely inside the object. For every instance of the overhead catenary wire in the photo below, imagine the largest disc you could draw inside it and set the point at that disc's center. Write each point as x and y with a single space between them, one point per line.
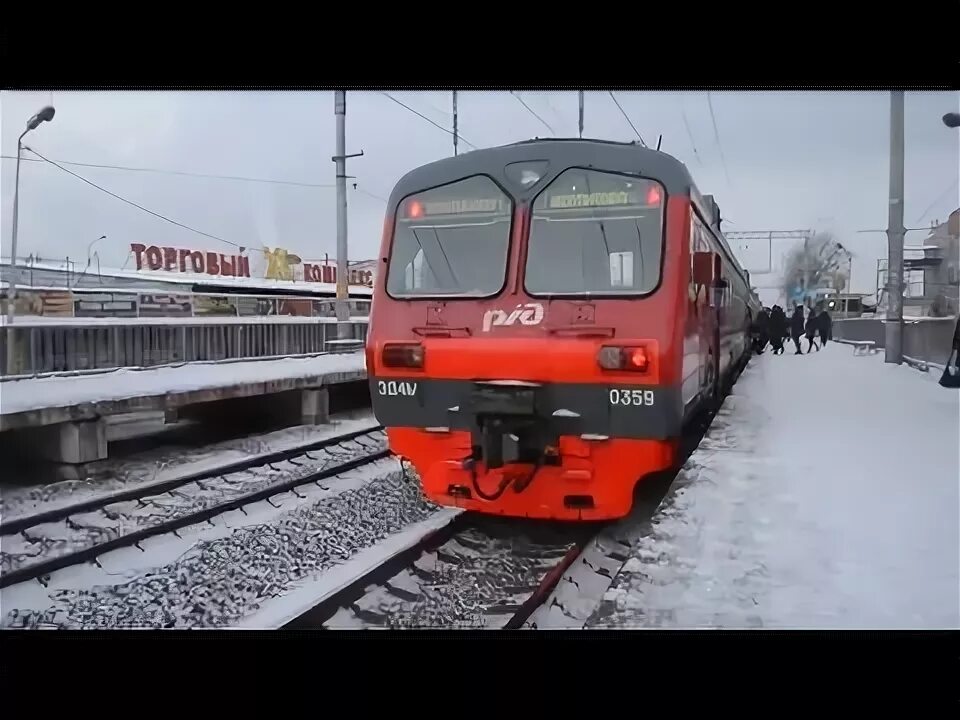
940 197
421 115
183 173
626 117
716 134
686 124
136 205
533 112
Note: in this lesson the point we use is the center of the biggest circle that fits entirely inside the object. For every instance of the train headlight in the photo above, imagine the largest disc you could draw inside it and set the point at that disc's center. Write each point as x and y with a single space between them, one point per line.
403 355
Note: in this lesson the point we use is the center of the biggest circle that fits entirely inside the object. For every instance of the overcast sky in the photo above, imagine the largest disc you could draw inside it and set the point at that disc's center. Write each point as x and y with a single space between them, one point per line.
783 161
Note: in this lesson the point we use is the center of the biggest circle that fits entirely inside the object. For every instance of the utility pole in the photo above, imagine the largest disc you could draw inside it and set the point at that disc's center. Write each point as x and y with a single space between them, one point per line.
581 112
454 122
893 345
806 269
342 306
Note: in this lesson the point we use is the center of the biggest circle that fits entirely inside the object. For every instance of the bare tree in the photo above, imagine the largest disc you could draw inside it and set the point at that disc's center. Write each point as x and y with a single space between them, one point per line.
806 266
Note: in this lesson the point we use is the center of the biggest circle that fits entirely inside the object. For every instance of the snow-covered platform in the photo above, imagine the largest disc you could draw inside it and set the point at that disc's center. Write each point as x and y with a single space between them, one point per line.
825 495
72 403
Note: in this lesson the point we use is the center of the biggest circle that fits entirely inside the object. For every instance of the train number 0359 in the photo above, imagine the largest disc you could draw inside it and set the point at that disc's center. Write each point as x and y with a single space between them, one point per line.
631 397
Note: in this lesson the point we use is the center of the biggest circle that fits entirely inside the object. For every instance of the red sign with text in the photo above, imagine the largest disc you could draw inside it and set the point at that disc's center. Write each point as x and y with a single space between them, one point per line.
186 260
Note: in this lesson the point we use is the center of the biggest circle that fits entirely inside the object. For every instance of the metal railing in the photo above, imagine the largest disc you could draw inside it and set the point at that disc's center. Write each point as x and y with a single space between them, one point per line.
78 347
928 340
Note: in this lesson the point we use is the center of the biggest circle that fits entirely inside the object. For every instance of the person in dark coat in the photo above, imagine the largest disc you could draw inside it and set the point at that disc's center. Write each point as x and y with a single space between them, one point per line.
824 326
796 327
951 370
760 332
810 331
777 327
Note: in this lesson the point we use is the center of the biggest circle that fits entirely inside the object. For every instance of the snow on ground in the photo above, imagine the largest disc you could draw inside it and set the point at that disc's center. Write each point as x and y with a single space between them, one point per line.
825 495
169 463
31 394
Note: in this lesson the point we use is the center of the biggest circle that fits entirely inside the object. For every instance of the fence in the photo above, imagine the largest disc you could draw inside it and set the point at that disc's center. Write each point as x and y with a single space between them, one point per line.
928 339
75 346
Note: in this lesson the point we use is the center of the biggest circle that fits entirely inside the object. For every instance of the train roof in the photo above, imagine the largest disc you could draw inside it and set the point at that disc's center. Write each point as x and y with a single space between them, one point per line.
563 153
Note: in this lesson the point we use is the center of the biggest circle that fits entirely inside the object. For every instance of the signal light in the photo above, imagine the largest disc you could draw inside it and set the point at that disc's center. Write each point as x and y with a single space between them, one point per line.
415 209
401 355
634 359
653 196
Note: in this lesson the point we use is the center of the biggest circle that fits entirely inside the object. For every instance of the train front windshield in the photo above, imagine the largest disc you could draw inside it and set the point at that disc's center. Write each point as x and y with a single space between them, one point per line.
591 233
451 241
595 232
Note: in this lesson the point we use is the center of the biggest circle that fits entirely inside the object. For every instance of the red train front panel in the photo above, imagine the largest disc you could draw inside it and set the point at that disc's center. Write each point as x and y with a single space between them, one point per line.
526 356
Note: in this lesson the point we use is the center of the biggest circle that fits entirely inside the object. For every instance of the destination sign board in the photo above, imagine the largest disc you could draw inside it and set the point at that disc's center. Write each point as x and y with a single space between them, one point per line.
417 209
597 199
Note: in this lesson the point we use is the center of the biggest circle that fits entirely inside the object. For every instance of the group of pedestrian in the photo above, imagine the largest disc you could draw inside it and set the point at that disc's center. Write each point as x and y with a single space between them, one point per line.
772 326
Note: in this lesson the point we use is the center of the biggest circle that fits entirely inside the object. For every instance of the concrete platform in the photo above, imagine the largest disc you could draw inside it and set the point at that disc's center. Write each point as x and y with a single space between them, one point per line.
55 400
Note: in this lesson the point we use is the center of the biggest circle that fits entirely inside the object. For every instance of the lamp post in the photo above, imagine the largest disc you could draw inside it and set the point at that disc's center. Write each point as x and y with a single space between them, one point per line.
89 259
45 115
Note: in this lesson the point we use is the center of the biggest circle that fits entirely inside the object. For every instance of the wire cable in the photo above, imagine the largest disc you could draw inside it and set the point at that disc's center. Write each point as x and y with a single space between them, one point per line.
716 134
436 125
182 173
686 124
626 117
939 198
532 112
130 202
160 171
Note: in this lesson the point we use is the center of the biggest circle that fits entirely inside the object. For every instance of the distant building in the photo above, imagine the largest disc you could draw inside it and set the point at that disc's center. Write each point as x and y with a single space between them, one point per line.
931 272
943 277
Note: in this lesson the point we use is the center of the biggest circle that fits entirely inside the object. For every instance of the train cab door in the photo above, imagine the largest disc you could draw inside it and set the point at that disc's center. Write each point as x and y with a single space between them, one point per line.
709 327
717 293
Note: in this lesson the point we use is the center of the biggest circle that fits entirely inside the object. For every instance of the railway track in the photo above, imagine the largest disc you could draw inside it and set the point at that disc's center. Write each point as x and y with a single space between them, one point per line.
365 555
476 572
35 545
482 572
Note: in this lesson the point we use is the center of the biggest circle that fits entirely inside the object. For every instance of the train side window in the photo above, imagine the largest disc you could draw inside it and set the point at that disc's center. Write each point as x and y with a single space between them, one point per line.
621 269
413 272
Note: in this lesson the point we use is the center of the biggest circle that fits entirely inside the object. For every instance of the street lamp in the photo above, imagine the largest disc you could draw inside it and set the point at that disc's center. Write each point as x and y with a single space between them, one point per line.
89 260
45 115
951 120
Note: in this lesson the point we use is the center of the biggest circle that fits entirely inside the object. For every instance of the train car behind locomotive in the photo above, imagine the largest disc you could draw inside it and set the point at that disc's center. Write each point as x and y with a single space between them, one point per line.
550 315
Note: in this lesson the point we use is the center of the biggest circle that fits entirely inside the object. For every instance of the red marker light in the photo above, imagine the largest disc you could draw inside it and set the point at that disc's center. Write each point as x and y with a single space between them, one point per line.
637 359
653 196
633 359
415 210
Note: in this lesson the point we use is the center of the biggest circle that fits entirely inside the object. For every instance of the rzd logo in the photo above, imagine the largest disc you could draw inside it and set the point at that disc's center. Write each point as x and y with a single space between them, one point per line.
529 314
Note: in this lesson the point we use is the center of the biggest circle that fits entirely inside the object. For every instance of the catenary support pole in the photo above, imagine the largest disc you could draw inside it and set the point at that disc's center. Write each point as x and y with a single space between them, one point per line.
581 112
344 330
893 345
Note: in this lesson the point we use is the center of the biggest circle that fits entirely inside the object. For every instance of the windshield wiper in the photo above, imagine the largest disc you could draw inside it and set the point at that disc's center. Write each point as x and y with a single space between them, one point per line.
639 250
443 252
426 257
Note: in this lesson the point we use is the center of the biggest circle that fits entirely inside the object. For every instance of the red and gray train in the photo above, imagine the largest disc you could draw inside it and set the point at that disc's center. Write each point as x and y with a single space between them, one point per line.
548 317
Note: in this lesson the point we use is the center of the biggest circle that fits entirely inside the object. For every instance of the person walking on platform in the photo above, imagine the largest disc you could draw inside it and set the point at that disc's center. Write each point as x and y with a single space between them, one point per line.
778 329
951 370
760 331
811 331
796 327
824 326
